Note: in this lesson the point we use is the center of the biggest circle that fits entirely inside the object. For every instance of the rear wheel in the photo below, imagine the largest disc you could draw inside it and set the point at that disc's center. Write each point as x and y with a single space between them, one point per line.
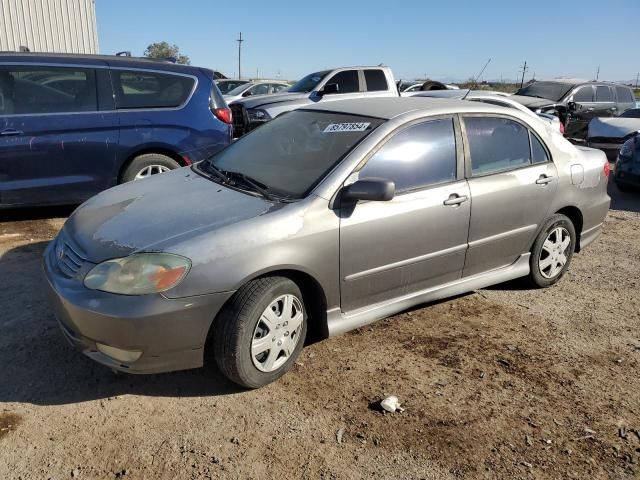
623 187
552 251
144 166
260 333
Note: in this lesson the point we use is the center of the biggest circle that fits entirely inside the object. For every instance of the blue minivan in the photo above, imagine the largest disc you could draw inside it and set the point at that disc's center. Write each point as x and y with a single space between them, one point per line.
73 125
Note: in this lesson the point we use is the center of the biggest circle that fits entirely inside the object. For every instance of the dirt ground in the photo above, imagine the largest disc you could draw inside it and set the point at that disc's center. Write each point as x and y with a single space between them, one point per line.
502 383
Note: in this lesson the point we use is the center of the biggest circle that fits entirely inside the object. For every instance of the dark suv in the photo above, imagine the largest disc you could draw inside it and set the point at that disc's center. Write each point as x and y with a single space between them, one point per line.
73 125
576 102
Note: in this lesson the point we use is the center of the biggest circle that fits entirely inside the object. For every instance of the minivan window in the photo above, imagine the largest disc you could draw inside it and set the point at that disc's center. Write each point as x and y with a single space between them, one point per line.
291 154
624 95
29 90
418 156
376 80
347 81
142 89
583 95
603 94
496 144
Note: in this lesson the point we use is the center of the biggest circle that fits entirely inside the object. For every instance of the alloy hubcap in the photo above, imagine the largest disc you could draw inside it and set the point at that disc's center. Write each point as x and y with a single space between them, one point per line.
277 333
149 170
553 256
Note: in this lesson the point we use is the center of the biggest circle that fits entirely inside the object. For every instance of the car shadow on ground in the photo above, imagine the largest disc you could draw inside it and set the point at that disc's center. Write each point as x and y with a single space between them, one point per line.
628 201
36 213
37 365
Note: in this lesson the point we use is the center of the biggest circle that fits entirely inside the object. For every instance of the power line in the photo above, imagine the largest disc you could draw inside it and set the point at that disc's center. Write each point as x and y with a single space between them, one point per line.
239 40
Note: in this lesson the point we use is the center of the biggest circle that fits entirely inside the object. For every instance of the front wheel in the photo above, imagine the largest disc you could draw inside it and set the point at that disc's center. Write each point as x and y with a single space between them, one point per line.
260 333
552 251
147 165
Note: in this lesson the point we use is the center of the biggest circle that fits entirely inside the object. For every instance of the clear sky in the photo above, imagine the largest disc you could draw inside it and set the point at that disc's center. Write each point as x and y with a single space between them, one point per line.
448 40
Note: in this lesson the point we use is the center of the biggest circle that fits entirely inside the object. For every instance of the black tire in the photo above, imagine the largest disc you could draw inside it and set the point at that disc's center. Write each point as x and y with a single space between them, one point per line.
536 276
143 161
235 326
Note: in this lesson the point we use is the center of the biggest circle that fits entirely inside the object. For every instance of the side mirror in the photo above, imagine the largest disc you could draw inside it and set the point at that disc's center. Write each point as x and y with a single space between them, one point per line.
330 88
247 93
373 189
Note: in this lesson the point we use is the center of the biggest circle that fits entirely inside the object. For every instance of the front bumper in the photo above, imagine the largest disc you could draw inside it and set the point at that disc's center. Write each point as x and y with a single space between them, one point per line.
170 333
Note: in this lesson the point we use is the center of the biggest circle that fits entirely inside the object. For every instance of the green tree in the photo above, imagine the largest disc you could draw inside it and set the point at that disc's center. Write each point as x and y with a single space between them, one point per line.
164 50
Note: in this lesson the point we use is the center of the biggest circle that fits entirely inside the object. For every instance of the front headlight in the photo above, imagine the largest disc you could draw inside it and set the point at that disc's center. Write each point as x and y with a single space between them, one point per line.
138 274
258 115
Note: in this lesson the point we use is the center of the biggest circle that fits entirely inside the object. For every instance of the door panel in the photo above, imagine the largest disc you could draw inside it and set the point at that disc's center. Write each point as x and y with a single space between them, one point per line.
389 249
506 211
60 148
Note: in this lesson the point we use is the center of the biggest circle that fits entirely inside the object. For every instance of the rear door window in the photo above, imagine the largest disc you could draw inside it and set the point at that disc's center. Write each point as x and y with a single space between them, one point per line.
603 94
347 80
32 90
143 89
416 157
624 95
376 80
496 144
276 87
260 89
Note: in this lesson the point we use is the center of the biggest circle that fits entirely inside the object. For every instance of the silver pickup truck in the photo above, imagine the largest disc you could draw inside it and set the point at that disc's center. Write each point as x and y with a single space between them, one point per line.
323 86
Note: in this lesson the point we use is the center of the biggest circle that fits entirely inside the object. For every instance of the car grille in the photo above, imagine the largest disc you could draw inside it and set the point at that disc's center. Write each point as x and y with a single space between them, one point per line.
68 257
240 120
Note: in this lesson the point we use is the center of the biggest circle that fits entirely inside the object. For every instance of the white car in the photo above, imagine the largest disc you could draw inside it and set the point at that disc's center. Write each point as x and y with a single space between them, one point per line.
254 89
496 98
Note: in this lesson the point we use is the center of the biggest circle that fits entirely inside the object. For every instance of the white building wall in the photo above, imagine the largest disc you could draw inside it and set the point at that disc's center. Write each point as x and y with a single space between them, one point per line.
66 26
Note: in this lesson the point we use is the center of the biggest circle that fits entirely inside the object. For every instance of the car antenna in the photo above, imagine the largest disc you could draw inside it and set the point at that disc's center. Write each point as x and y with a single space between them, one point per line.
475 80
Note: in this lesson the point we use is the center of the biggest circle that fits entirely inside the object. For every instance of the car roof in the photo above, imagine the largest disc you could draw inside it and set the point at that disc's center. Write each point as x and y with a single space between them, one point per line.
390 107
97 60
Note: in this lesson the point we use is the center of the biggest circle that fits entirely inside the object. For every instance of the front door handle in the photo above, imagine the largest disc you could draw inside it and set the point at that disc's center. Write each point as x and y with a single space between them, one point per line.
455 199
8 132
544 179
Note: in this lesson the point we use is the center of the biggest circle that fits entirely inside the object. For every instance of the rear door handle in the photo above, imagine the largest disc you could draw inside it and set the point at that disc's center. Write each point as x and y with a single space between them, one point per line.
10 132
590 109
544 179
455 199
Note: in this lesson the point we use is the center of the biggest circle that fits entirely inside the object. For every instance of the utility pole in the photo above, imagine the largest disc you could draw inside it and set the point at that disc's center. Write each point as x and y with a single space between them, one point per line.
598 73
239 40
524 70
637 76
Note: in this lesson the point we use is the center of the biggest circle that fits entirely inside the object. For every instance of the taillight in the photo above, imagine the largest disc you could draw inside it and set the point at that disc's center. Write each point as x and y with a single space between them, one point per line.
607 168
223 114
562 128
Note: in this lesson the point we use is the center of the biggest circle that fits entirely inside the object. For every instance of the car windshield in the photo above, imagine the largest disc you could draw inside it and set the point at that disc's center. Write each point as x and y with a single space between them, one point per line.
632 113
226 87
308 83
550 90
239 89
291 154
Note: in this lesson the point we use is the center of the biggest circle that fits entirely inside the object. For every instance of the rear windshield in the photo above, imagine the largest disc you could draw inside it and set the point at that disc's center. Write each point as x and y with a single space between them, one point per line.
308 83
632 113
226 87
143 89
550 90
292 153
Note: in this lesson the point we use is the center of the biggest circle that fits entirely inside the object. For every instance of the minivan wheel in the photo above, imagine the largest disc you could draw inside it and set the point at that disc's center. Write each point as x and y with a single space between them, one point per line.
261 331
552 251
147 165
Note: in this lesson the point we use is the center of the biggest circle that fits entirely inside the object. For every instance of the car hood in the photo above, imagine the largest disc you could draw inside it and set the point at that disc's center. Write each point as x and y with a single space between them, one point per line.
613 127
151 214
532 102
263 100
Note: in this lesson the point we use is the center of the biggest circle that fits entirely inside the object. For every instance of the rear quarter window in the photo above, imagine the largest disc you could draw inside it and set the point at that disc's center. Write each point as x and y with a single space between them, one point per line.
376 80
142 89
625 95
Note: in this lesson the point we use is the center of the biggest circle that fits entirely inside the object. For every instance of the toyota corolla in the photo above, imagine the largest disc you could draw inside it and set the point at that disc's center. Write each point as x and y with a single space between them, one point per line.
323 220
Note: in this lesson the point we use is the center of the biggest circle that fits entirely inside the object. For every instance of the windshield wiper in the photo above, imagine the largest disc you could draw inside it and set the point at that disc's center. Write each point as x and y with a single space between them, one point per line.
261 188
209 167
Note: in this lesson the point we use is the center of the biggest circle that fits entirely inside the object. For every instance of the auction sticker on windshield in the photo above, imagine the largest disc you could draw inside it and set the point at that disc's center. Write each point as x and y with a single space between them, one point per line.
346 127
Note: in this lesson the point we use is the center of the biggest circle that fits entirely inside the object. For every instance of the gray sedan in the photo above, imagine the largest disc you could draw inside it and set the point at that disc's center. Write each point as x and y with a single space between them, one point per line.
321 221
